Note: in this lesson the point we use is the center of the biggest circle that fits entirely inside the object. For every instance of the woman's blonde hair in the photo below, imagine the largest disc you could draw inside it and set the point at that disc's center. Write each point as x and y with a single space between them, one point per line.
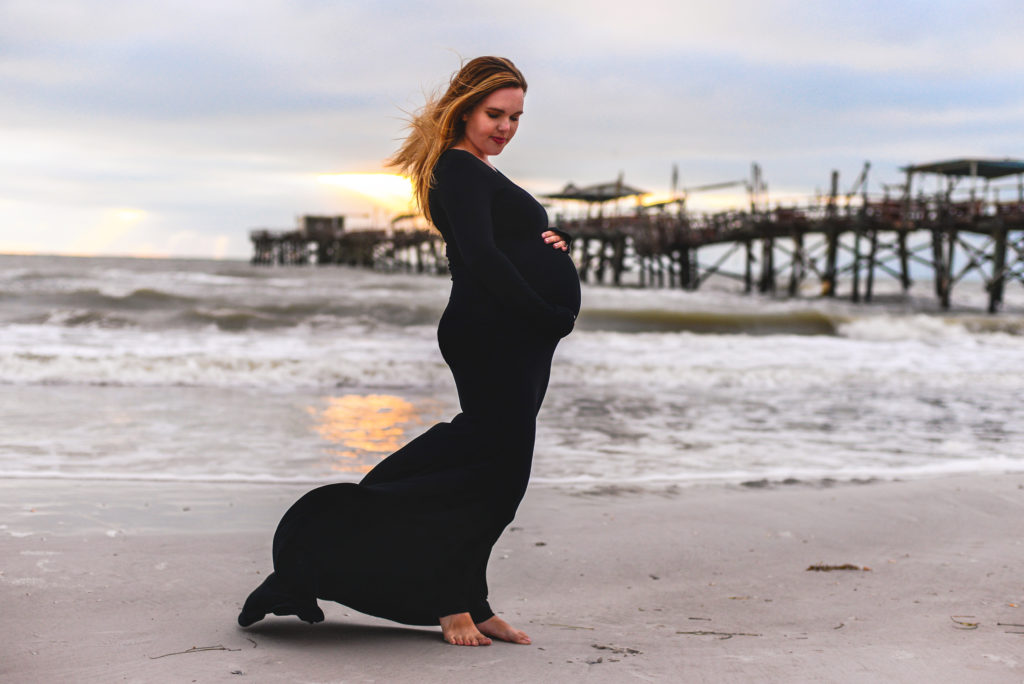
439 124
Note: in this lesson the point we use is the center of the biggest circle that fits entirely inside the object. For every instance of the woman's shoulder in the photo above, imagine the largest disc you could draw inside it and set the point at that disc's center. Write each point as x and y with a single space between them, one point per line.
457 162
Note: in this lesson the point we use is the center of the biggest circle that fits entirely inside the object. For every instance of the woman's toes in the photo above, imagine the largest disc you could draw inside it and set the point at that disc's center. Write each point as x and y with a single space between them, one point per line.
499 629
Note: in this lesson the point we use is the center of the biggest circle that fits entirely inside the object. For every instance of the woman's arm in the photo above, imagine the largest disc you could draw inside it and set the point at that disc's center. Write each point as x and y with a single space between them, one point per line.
465 197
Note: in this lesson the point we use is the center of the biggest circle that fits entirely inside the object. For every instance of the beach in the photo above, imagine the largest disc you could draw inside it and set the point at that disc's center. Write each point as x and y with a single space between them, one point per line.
697 452
737 323
141 582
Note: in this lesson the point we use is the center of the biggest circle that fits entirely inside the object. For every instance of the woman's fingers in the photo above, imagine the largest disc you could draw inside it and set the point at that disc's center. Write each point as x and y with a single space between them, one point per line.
554 239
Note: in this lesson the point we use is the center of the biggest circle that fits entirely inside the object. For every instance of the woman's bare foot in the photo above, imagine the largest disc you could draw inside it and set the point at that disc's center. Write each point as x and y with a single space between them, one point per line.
495 627
458 629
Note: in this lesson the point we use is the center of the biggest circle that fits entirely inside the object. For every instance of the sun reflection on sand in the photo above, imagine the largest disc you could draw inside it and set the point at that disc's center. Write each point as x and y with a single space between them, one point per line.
364 428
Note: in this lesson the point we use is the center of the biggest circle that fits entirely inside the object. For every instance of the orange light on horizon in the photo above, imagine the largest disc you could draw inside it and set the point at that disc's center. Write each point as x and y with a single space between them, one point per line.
389 191
657 198
113 225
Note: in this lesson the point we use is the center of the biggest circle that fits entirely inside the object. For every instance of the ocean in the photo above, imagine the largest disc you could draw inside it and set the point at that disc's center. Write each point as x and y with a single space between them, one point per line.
214 371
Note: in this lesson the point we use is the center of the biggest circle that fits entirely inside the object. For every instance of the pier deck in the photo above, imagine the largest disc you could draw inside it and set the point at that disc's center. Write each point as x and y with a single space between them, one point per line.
852 238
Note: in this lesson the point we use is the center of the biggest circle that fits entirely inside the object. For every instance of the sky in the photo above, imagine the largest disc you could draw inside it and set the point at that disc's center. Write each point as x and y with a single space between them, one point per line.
173 128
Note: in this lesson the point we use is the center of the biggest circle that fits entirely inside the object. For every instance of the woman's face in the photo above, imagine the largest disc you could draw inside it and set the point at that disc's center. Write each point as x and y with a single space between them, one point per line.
492 123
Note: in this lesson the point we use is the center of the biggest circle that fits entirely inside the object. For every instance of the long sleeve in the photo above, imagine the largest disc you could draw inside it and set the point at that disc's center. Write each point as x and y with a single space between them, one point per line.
465 196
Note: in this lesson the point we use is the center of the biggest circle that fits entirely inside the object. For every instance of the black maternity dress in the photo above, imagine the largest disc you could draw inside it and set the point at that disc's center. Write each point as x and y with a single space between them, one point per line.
411 541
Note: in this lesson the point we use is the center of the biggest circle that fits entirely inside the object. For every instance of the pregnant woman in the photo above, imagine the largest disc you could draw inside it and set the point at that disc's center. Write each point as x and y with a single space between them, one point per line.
411 541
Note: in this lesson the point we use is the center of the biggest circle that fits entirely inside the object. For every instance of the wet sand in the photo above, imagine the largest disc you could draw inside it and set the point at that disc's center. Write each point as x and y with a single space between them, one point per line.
141 582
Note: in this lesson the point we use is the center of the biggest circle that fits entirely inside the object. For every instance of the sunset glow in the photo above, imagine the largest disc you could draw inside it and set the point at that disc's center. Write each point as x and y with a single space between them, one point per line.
656 198
386 190
362 429
129 215
111 226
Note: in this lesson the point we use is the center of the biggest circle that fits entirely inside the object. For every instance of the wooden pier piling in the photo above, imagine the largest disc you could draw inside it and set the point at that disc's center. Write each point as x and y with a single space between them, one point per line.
857 236
853 239
323 240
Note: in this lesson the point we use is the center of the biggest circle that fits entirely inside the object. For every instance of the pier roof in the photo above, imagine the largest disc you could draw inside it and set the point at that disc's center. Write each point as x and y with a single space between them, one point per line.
602 192
985 168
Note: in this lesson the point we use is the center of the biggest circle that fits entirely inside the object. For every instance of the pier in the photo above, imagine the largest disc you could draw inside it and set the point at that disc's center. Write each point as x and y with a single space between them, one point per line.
853 236
323 240
839 240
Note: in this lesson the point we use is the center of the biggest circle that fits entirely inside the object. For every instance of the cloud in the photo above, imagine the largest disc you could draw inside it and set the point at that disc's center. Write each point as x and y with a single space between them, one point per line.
939 37
218 117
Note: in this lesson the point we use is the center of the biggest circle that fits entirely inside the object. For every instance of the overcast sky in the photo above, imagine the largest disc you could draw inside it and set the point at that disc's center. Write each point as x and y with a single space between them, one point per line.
134 127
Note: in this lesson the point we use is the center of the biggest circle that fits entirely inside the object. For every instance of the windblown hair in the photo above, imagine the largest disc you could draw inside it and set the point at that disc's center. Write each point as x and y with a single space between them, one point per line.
439 124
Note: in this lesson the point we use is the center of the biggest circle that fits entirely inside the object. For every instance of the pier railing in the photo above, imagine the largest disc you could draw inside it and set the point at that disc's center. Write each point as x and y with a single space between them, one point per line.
787 246
325 241
822 245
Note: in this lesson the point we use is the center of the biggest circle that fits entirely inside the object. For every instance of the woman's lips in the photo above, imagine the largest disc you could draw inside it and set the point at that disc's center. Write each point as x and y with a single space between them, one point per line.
500 141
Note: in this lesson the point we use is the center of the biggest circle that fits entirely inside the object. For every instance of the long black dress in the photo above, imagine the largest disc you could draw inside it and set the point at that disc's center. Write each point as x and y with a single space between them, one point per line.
411 541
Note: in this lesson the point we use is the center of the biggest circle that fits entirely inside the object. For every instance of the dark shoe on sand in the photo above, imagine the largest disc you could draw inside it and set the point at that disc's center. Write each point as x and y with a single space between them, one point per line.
270 597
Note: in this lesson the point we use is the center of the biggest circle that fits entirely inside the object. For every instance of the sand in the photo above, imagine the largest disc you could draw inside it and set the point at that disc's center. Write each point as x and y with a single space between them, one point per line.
141 582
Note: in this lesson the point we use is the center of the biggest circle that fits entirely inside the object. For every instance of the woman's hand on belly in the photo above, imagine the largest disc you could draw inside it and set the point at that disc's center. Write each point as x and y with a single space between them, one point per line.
549 272
555 240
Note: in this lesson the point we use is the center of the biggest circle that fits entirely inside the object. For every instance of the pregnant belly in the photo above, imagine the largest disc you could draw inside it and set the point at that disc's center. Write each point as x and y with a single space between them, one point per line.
549 271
